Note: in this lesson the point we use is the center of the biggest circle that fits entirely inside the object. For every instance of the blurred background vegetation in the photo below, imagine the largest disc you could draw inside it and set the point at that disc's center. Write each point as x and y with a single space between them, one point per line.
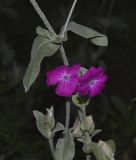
114 111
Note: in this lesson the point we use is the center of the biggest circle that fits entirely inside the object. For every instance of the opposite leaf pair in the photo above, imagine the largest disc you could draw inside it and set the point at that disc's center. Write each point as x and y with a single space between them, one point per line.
69 81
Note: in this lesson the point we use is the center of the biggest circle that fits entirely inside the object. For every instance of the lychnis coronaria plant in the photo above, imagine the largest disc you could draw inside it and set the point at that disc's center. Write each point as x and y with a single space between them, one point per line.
75 82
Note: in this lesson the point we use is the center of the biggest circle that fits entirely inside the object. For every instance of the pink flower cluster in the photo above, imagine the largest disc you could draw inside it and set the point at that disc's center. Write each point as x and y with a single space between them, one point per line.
68 80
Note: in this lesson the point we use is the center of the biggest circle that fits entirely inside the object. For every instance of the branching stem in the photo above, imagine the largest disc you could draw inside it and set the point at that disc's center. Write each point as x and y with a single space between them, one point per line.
67 115
42 16
63 55
52 148
83 111
69 17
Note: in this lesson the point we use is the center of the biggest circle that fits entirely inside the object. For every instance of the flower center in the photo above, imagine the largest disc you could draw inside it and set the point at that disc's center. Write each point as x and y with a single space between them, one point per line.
92 82
66 77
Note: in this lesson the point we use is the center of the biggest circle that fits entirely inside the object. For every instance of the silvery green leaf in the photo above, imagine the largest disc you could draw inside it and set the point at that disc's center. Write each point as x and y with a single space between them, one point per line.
95 37
95 132
41 123
87 144
39 45
42 49
89 120
58 127
81 139
50 117
88 124
65 148
86 148
43 32
106 150
112 145
76 131
97 152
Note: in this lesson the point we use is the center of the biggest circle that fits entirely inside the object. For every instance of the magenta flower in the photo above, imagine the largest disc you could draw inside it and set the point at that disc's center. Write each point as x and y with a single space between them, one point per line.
66 79
92 82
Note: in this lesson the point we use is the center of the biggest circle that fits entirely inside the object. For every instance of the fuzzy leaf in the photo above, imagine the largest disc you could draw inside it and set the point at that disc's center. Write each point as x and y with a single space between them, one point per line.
103 150
95 132
97 153
106 150
58 127
65 148
38 44
42 49
43 32
88 124
76 129
95 37
41 124
112 145
50 117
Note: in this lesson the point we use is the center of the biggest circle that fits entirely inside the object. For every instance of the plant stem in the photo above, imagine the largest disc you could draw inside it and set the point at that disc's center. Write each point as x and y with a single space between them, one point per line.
42 16
80 115
84 113
67 115
46 22
66 127
52 148
63 55
88 157
69 17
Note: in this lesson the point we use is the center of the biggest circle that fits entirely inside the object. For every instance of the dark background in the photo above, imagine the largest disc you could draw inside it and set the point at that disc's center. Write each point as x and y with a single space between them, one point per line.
113 110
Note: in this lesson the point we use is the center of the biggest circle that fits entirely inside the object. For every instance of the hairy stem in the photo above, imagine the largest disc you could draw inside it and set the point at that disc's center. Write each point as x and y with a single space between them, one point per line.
67 115
52 148
69 17
82 114
63 55
88 157
66 127
42 16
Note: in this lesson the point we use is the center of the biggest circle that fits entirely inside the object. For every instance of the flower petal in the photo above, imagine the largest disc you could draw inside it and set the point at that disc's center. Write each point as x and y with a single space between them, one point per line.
66 88
95 90
96 72
95 75
92 73
101 79
83 89
55 76
73 70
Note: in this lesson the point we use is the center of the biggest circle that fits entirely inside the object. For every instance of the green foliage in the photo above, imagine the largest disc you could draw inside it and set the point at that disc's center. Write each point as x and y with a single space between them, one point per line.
65 148
103 150
45 123
111 144
80 101
88 124
97 131
83 31
58 127
50 118
41 124
43 46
